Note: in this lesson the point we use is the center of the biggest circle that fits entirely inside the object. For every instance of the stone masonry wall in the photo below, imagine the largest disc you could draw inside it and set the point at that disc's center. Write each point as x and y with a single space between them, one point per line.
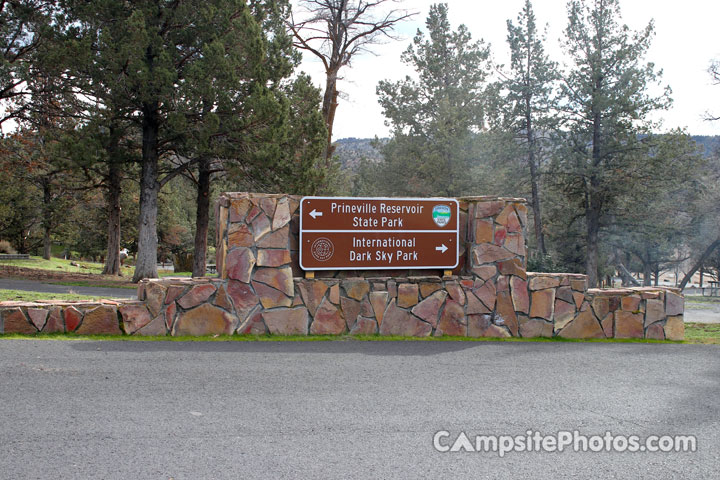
261 288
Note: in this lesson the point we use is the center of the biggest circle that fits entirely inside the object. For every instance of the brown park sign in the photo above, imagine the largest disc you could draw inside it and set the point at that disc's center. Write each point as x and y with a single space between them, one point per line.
352 233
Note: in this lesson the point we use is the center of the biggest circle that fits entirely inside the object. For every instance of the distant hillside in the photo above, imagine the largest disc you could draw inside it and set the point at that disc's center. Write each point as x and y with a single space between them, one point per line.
351 150
711 144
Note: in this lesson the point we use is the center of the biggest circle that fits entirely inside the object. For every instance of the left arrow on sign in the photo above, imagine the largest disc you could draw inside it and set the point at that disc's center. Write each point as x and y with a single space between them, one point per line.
315 213
442 248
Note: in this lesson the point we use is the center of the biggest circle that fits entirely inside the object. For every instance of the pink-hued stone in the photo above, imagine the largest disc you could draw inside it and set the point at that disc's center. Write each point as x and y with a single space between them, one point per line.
100 321
579 298
565 294
239 264
505 313
351 310
73 317
170 312
481 326
38 317
429 308
173 292
534 327
515 243
379 301
513 224
486 272
427 289
253 325
608 324
238 209
392 288
674 305
488 209
364 326
239 235
520 294
407 295
489 253
499 238
197 295
512 267
578 285
675 328
278 278
287 321
474 305
328 320
204 320
134 317
654 311
584 326
267 204
522 213
397 321
502 218
243 297
564 314
313 292
55 321
222 299
503 284
260 226
15 321
141 291
270 297
277 239
631 303
601 306
655 332
483 231
282 215
487 294
456 292
253 213
356 288
154 298
155 328
334 295
542 303
628 325
272 257
542 282
452 320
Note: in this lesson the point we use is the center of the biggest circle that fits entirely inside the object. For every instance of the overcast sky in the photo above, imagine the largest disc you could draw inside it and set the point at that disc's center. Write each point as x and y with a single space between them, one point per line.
687 38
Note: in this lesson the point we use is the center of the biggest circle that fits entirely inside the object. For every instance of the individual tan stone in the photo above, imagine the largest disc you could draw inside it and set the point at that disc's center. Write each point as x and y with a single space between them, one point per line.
483 231
173 292
505 313
239 209
196 295
513 223
488 209
15 321
579 298
543 282
474 305
489 253
579 285
564 314
520 294
267 204
485 272
608 325
397 321
456 292
276 239
239 235
392 288
675 328
512 267
541 305
379 301
629 325
134 317
253 324
407 295
291 321
38 317
278 278
282 215
356 288
487 294
351 311
601 306
253 213
515 243
73 317
328 320
261 226
630 303
334 295
364 326
654 311
313 292
502 218
565 294
585 325
239 264
655 332
170 312
102 320
222 299
272 257
141 290
452 321
499 237
481 326
533 328
674 305
154 298
271 297
503 284
156 327
429 308
54 322
243 297
204 320
427 289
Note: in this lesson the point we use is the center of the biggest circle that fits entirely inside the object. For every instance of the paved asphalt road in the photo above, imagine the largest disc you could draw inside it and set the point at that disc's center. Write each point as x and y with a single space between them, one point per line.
346 409
33 286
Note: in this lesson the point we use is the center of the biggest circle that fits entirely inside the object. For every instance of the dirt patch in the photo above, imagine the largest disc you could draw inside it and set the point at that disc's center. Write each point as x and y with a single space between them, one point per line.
45 275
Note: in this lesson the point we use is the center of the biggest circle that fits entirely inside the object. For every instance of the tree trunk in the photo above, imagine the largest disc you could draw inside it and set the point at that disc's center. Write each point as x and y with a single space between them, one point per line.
657 274
112 194
202 218
647 274
702 271
329 107
146 264
627 278
47 218
592 215
706 254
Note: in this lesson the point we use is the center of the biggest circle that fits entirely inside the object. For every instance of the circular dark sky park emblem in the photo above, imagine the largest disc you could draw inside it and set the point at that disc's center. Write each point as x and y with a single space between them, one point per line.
322 249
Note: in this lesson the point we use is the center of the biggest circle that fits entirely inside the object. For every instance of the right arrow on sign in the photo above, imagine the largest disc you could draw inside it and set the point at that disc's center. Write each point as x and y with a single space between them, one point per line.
442 248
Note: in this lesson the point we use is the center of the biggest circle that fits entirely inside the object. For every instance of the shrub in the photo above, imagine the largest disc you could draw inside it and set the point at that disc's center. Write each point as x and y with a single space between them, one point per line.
5 247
